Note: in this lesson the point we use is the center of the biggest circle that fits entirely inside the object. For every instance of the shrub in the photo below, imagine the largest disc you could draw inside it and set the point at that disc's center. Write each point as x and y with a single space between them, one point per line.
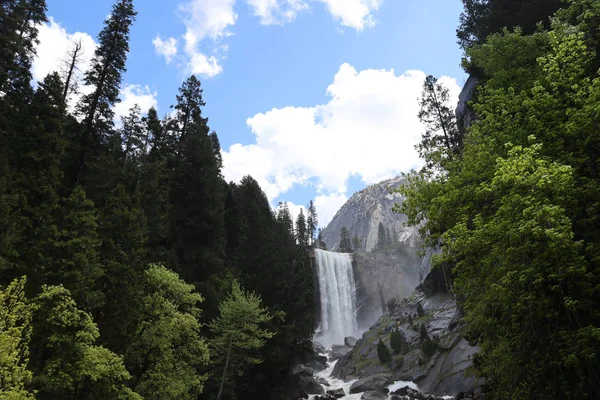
410 320
392 303
383 353
428 347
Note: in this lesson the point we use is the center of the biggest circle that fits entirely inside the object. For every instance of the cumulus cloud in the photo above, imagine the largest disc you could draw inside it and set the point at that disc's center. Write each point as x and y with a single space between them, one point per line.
131 95
55 41
205 21
356 14
166 48
328 205
368 129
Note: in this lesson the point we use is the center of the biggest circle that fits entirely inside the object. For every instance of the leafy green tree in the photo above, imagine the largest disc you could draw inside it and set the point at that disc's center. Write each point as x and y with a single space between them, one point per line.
517 216
238 332
301 229
383 353
441 140
166 353
15 332
65 360
345 245
481 18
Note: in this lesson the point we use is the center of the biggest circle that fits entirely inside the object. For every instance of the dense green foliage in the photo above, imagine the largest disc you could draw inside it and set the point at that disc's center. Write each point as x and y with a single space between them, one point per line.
130 240
517 212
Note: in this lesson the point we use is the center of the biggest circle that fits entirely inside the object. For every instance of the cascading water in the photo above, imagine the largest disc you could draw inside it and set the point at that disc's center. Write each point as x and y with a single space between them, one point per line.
338 297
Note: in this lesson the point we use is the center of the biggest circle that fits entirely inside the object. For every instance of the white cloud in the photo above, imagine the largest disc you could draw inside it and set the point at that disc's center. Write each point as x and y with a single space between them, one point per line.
166 48
205 19
356 14
368 129
52 49
328 205
55 41
135 94
276 12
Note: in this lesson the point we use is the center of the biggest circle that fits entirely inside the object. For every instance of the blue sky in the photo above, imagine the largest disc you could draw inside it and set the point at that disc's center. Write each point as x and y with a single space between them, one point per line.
314 98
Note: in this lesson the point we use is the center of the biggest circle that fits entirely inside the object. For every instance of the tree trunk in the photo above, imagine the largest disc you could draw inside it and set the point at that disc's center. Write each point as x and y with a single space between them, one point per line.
225 369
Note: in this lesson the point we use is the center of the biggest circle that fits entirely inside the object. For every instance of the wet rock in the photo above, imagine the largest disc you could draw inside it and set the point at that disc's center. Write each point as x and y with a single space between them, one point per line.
336 393
459 396
322 381
372 395
310 385
302 370
319 348
338 350
293 388
350 341
377 383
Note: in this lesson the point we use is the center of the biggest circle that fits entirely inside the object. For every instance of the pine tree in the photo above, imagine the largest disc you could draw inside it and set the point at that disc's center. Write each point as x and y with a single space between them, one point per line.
237 347
72 253
383 353
345 245
320 243
104 75
381 238
441 140
312 222
398 343
301 229
108 66
19 21
197 191
356 243
70 68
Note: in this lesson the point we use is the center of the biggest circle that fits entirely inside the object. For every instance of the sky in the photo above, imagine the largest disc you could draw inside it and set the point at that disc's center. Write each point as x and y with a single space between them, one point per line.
315 99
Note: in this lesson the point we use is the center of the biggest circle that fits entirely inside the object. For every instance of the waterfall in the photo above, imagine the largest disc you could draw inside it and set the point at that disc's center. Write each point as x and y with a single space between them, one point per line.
338 297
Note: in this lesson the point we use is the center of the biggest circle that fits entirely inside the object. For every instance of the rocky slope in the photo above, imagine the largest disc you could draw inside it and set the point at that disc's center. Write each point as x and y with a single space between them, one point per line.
362 213
448 371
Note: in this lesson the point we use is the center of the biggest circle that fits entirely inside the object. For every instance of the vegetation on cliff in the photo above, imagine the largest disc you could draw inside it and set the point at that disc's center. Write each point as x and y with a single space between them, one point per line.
517 212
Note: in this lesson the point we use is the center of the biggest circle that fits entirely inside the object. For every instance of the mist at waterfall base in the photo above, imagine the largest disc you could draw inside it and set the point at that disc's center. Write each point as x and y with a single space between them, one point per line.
337 297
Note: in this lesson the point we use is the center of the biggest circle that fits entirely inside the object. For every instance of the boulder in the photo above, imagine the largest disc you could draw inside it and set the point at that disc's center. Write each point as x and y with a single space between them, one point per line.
319 348
377 383
350 341
338 350
310 385
322 381
337 393
302 370
372 395
292 387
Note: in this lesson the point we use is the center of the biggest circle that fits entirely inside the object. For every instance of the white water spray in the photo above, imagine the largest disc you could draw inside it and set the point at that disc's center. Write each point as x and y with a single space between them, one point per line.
338 297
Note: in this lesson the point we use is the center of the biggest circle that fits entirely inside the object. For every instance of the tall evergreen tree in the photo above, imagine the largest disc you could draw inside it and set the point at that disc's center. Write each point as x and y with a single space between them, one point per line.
197 191
105 75
345 245
441 140
301 229
312 222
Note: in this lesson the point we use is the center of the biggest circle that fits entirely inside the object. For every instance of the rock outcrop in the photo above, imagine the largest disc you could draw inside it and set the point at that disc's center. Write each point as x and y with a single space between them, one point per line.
448 370
464 113
363 212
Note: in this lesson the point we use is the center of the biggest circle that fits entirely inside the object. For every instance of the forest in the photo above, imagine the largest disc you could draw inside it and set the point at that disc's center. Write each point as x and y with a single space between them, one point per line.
129 268
513 201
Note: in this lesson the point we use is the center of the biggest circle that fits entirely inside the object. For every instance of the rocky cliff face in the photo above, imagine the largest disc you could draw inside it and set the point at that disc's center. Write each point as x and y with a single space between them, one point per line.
382 277
448 371
363 212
